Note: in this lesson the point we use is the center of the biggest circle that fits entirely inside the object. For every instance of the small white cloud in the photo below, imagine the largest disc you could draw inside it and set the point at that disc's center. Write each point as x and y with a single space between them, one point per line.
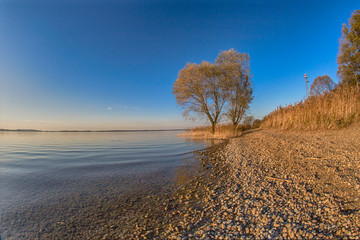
122 107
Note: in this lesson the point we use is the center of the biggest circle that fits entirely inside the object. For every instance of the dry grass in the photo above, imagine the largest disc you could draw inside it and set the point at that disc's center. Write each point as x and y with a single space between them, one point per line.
222 131
337 109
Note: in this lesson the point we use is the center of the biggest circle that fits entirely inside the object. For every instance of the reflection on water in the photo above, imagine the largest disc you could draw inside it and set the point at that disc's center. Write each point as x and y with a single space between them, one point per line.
47 177
207 142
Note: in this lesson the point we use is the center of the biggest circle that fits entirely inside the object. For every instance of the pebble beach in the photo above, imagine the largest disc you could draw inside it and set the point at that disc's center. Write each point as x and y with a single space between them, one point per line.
270 184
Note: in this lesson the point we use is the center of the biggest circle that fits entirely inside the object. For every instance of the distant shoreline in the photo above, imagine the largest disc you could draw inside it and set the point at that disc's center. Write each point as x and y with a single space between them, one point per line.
143 130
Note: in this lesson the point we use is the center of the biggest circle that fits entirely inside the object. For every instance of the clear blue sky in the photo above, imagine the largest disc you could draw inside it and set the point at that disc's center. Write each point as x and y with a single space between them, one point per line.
112 64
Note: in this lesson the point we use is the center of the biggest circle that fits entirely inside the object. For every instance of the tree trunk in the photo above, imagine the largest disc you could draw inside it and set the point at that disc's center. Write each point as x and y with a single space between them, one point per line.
213 127
235 127
235 121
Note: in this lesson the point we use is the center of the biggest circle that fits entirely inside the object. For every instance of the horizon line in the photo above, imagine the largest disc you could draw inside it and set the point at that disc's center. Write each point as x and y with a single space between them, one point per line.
114 130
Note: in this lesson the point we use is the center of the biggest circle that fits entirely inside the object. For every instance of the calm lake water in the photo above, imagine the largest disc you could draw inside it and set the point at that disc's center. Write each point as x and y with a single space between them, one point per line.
47 170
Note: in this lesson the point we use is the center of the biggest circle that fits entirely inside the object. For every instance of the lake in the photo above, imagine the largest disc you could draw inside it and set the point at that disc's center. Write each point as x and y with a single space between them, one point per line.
49 180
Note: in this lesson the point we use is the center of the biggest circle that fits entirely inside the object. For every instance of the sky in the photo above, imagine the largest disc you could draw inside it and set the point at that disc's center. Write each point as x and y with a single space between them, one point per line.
112 64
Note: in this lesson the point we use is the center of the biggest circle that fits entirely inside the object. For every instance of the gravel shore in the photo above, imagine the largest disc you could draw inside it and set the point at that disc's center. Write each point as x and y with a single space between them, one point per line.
266 184
274 184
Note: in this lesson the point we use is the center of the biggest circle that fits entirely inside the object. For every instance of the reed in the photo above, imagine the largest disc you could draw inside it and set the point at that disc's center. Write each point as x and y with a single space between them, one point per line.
222 131
334 110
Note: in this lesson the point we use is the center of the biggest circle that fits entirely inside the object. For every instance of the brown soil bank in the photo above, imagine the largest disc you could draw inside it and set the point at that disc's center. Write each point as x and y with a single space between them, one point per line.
283 185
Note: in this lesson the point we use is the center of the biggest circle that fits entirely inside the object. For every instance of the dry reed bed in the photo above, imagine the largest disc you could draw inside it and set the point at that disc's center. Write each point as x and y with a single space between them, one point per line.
337 109
222 131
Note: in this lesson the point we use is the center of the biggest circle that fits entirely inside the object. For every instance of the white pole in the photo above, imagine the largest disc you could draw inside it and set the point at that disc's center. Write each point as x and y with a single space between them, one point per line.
307 85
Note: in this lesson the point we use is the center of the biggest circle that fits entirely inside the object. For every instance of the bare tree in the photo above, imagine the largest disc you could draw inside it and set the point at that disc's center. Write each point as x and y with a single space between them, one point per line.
349 51
235 73
321 85
199 89
249 120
